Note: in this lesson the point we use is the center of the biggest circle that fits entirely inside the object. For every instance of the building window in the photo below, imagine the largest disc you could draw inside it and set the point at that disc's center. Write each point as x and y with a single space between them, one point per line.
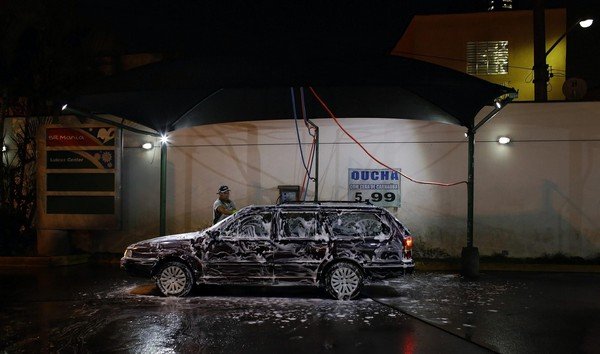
500 5
487 58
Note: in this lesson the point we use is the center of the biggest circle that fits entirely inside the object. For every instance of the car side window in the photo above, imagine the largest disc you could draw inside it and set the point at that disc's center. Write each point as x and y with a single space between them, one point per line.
299 224
356 224
253 226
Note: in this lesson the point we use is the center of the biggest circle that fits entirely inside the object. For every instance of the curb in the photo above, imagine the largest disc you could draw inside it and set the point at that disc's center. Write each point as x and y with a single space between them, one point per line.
40 261
512 267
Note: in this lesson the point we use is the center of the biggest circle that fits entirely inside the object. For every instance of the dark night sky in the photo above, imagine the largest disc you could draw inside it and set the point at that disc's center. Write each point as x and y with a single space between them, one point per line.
297 28
267 26
251 27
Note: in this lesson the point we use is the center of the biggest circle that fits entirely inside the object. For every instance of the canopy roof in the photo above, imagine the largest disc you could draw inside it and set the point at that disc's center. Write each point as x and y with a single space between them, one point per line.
170 95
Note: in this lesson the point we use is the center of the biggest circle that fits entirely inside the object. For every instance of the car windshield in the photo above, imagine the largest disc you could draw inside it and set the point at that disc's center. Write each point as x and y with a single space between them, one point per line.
227 220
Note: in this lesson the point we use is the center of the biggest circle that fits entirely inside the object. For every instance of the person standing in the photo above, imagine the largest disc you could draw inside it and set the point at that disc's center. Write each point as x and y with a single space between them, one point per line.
223 206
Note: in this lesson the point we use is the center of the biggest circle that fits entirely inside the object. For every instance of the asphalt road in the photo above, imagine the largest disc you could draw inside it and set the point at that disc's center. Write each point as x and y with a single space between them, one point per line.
90 308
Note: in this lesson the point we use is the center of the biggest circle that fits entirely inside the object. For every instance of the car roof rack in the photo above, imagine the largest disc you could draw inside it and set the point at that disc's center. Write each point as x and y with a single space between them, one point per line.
320 202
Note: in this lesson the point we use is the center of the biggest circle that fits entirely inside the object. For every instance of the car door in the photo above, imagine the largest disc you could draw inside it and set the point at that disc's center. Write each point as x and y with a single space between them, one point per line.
242 251
300 246
358 235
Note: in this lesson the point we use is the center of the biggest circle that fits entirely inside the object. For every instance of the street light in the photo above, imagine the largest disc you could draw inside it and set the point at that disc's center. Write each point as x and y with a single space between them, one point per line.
541 74
503 140
586 23
582 23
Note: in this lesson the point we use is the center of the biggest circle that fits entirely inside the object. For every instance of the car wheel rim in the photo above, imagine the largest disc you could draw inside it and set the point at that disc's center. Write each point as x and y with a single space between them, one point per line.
344 282
173 280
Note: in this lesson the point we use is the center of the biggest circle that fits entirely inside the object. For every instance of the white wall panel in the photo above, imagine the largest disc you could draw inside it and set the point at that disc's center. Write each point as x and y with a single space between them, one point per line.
537 195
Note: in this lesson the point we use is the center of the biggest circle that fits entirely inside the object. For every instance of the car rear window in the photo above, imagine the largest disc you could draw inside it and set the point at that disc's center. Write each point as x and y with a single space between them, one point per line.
356 224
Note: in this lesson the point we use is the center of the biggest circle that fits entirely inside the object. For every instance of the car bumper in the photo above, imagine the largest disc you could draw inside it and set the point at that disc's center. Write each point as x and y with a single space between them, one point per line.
389 270
140 267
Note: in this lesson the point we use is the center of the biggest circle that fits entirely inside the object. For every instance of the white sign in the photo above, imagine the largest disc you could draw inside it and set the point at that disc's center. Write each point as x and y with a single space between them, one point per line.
379 186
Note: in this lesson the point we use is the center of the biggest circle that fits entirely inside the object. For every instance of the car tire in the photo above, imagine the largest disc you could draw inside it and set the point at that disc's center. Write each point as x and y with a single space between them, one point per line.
343 281
174 279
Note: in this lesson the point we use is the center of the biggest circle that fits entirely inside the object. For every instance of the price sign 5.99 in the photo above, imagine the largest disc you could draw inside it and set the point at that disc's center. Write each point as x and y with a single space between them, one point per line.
377 186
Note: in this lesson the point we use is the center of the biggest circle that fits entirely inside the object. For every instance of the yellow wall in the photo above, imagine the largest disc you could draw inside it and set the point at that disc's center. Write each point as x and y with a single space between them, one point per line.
442 40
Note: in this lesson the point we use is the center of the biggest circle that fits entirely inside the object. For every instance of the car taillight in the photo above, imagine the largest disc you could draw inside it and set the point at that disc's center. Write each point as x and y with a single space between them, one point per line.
408 242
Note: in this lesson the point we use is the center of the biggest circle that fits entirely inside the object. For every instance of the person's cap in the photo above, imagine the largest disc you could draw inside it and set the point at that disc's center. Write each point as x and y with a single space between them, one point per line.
223 189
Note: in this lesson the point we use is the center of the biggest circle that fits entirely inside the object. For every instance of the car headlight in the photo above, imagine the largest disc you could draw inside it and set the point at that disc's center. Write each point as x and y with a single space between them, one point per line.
127 253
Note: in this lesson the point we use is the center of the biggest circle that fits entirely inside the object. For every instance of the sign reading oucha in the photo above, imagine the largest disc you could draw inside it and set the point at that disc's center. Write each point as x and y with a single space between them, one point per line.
377 186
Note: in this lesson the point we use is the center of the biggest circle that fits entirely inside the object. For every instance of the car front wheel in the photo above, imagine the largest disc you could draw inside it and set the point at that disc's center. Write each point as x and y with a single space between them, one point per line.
174 279
343 281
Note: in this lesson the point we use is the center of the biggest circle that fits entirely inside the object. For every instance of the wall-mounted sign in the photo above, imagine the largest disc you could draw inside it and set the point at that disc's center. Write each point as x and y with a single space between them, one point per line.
95 159
80 136
79 177
376 186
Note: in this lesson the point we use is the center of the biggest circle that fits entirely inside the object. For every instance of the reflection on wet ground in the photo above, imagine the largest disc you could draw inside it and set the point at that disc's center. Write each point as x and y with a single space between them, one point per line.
508 312
89 308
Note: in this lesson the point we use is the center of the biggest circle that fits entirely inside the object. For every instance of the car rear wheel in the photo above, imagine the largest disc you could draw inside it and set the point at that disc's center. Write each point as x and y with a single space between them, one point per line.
174 279
343 281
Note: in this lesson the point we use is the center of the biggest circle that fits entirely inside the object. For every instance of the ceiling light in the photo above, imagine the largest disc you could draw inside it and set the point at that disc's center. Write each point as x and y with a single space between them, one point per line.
503 140
147 146
586 23
65 106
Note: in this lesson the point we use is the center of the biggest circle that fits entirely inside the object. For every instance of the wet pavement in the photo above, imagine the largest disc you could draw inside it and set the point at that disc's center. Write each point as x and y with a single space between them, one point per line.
91 308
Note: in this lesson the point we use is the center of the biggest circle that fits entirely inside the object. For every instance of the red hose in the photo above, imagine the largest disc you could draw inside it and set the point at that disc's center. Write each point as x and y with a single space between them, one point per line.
324 105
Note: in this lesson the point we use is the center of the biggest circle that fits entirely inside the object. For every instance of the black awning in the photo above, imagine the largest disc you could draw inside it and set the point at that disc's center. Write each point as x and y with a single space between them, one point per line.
170 95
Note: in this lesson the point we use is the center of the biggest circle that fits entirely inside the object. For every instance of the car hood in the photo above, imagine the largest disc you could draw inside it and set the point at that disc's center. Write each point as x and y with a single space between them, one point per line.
167 241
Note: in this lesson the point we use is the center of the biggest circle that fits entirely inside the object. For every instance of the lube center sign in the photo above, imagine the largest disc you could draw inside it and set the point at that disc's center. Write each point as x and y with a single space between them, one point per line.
376 186
79 177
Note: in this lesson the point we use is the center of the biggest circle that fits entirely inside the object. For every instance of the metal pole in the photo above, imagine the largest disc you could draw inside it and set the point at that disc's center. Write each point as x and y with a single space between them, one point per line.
470 187
317 164
163 188
3 107
471 167
470 254
540 69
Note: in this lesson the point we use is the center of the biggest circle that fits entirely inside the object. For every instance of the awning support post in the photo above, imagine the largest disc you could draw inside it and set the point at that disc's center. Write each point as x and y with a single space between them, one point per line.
470 187
163 188
470 254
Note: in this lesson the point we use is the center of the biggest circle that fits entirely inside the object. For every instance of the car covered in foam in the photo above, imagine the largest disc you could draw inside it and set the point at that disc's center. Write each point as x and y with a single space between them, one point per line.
337 246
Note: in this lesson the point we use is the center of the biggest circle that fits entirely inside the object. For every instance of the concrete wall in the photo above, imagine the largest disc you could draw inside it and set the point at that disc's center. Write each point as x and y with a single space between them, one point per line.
538 195
442 40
